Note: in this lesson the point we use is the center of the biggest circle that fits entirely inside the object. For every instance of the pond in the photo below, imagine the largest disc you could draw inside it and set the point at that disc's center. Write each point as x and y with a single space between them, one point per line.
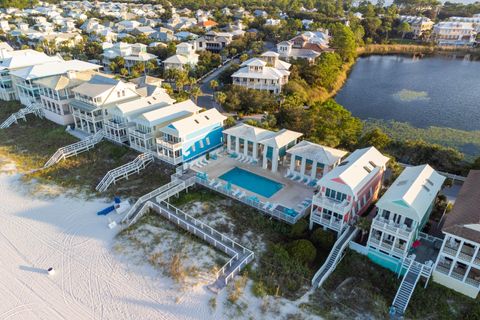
431 91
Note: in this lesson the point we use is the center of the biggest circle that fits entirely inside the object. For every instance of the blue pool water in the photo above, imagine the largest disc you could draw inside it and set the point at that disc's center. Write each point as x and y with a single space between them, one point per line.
252 182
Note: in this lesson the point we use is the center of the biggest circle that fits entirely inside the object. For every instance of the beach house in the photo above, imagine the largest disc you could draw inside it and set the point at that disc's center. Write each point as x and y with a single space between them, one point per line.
310 161
348 190
453 33
93 99
122 114
402 212
265 73
14 60
131 53
185 55
191 137
260 145
458 263
146 129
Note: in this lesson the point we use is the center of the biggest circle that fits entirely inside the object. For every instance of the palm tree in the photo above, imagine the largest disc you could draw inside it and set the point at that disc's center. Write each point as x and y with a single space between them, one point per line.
221 97
214 84
364 225
195 91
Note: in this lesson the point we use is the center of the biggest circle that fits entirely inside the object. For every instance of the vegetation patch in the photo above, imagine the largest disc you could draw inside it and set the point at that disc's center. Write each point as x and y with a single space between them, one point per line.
169 249
286 256
30 144
359 288
467 142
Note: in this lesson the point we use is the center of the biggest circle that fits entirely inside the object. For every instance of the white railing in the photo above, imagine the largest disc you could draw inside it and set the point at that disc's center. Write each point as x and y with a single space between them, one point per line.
210 235
74 149
326 269
326 202
139 163
405 291
391 226
257 205
32 107
146 197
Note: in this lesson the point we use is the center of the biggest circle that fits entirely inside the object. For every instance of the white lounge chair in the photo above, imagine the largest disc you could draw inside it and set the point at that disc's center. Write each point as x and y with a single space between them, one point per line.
205 161
212 182
236 192
266 205
241 195
273 207
218 185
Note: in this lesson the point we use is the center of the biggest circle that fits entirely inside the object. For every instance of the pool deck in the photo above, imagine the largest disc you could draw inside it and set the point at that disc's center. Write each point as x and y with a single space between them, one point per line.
290 196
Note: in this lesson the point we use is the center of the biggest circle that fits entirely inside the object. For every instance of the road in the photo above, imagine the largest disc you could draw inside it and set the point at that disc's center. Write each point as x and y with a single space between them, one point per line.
206 99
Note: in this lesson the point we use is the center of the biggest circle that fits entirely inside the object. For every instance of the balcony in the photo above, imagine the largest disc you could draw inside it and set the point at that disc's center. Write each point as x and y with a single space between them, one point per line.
472 282
452 251
140 134
334 205
389 225
116 125
465 256
87 117
458 274
443 268
169 145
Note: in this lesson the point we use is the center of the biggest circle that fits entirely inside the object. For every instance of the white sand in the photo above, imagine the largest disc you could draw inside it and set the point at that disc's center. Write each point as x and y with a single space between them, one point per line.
90 281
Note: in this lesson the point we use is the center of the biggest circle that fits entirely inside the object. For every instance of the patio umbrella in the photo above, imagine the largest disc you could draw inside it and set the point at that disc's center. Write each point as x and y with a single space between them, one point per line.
416 244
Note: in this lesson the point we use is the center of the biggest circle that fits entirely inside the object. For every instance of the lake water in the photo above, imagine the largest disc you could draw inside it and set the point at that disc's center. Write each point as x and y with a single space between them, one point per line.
431 91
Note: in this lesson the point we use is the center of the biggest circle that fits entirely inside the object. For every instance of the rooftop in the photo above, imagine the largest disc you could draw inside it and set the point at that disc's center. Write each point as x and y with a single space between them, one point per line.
464 219
316 152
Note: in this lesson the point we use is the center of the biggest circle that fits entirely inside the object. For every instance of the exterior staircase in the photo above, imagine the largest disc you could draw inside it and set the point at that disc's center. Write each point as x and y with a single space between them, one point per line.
74 149
405 291
334 257
155 200
34 107
122 172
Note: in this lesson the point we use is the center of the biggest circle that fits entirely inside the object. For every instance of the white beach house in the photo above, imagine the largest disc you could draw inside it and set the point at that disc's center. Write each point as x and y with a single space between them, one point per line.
185 56
122 114
402 212
261 145
310 161
458 263
268 73
452 33
131 53
14 60
142 136
94 98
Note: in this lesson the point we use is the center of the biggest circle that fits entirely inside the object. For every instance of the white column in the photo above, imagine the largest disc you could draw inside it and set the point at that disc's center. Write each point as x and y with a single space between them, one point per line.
255 150
313 174
229 143
302 166
325 169
237 145
245 147
275 160
292 163
265 161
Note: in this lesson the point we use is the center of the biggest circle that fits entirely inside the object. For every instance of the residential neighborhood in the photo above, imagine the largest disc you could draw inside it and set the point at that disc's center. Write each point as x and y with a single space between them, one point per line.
239 160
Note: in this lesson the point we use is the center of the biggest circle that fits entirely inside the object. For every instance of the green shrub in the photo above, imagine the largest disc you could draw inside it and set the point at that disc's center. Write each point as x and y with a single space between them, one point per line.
258 289
322 238
302 250
299 229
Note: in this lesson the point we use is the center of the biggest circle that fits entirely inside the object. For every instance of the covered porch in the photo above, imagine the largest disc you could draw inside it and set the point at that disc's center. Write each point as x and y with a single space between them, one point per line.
309 161
259 145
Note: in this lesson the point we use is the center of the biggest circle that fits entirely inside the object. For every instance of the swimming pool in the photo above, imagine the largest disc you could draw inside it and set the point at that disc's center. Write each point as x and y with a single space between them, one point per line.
252 182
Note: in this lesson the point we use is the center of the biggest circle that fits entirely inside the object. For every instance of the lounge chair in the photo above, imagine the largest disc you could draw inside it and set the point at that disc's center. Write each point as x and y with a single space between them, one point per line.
205 161
218 185
236 192
273 207
212 182
246 160
266 205
241 195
